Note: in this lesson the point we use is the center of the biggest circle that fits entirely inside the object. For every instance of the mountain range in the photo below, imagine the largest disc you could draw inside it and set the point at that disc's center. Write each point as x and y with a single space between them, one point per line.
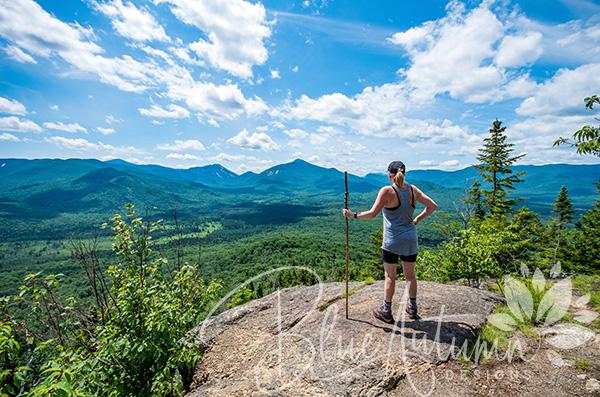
74 185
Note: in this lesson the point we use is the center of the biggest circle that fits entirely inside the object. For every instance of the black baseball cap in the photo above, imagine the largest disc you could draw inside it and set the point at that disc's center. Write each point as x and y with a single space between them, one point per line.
396 166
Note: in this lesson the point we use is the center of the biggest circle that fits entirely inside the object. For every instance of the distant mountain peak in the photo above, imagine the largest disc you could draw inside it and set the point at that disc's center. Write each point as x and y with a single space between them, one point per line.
117 161
213 166
296 163
101 175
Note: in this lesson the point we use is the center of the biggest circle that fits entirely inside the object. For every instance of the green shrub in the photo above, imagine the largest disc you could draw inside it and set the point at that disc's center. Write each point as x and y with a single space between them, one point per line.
11 373
134 340
244 295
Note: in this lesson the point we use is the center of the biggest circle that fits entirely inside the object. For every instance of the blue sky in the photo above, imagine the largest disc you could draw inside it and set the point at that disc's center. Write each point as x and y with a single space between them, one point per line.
345 84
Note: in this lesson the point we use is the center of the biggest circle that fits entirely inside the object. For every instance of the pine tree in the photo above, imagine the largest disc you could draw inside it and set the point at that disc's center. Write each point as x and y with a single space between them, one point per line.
587 246
495 168
475 198
563 208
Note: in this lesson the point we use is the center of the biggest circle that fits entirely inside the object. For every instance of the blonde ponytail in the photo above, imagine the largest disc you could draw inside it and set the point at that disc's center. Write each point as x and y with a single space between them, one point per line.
399 179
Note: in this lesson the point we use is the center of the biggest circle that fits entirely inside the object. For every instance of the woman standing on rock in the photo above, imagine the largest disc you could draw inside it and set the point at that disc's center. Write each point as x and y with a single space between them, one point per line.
397 202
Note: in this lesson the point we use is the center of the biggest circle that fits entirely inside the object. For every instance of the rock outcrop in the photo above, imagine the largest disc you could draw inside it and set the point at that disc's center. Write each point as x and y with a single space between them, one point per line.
297 341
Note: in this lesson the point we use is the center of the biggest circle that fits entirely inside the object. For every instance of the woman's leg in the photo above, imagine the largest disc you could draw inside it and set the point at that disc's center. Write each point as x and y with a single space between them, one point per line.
411 279
390 281
384 312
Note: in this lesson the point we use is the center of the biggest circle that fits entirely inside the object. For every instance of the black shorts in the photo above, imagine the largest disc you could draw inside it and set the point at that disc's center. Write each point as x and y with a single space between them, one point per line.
390 257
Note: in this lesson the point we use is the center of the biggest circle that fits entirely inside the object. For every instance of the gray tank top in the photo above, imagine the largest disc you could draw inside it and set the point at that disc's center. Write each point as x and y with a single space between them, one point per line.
399 231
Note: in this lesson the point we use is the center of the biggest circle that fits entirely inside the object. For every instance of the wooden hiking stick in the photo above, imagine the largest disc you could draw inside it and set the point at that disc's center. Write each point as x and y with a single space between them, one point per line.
346 194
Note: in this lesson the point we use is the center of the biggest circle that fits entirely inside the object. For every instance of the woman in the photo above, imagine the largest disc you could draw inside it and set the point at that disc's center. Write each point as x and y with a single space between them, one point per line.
397 202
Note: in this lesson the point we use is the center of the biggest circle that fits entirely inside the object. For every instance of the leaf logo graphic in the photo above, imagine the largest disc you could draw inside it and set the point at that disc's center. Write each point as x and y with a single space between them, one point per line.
553 305
519 298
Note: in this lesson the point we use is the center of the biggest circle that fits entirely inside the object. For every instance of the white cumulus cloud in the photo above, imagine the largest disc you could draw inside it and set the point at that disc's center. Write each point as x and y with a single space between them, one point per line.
564 92
296 133
216 101
519 50
575 42
19 55
110 119
236 31
16 124
105 130
80 144
132 22
181 145
25 24
226 157
5 136
171 112
466 54
536 136
66 127
254 141
382 111
182 156
12 106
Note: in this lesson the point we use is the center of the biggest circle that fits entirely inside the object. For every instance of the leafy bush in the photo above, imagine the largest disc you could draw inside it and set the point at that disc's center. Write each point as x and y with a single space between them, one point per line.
489 248
244 295
133 340
12 375
432 266
586 239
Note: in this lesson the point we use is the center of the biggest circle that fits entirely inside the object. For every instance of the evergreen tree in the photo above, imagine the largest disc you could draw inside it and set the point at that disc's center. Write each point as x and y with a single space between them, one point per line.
495 168
563 208
586 237
475 198
587 245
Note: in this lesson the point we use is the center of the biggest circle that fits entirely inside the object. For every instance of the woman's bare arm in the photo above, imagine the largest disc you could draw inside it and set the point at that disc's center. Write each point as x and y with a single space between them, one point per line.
424 199
375 209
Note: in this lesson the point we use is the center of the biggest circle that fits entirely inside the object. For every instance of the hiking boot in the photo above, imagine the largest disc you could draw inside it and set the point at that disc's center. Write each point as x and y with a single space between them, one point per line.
383 315
412 313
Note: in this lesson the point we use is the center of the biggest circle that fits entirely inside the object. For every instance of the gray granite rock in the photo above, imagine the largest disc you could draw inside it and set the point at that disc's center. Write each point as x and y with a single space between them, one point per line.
297 341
